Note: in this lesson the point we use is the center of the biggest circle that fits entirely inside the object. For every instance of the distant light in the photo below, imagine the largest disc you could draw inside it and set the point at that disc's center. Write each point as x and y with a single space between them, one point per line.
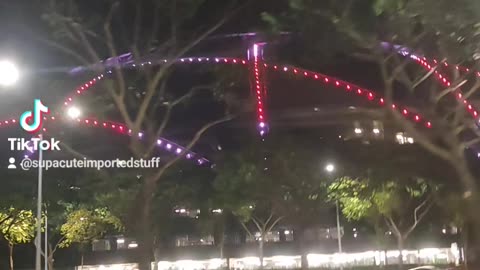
376 131
218 211
120 241
74 112
444 231
410 140
183 210
255 50
132 245
9 73
358 131
330 168
287 232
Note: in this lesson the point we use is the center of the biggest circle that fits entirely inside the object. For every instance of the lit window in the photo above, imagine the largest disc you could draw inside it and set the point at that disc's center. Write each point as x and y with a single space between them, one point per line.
402 138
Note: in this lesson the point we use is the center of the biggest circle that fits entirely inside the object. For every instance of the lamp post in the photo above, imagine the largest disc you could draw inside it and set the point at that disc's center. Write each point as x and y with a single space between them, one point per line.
38 257
330 168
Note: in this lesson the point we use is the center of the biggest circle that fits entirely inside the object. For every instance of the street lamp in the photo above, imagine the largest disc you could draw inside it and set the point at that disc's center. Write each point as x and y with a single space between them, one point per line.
9 73
74 112
330 168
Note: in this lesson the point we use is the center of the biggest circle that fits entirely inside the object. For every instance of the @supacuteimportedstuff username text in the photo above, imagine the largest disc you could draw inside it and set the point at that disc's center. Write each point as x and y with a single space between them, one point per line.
27 164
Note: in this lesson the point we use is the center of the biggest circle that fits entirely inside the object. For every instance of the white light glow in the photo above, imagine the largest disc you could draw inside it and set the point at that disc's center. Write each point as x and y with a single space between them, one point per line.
74 112
9 73
120 241
358 131
330 168
132 245
255 50
376 131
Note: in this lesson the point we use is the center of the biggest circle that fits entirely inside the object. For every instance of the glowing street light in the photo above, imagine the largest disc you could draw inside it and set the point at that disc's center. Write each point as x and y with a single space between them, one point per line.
330 168
74 112
9 73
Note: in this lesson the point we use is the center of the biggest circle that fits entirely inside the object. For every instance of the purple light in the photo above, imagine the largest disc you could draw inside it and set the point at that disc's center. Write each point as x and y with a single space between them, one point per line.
169 146
179 151
255 50
262 124
159 142
200 162
262 132
189 156
140 134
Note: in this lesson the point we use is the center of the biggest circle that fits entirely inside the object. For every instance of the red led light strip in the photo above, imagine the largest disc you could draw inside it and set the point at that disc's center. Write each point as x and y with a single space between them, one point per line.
350 88
258 85
442 78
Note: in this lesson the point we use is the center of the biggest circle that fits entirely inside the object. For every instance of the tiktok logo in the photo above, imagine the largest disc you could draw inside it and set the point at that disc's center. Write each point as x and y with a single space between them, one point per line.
36 115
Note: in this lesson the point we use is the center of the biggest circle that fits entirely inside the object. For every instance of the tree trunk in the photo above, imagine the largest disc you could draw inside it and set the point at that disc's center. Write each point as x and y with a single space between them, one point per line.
303 247
10 253
470 185
156 258
144 236
464 235
50 257
379 240
400 245
81 261
260 250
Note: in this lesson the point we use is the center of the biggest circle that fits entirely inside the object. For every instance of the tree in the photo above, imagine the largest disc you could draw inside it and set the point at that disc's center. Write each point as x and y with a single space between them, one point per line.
18 227
402 206
84 225
297 170
145 100
264 184
439 88
245 189
455 213
264 222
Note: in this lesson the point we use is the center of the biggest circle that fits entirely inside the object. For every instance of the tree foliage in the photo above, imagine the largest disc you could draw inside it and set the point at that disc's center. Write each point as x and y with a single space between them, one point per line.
17 226
84 225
